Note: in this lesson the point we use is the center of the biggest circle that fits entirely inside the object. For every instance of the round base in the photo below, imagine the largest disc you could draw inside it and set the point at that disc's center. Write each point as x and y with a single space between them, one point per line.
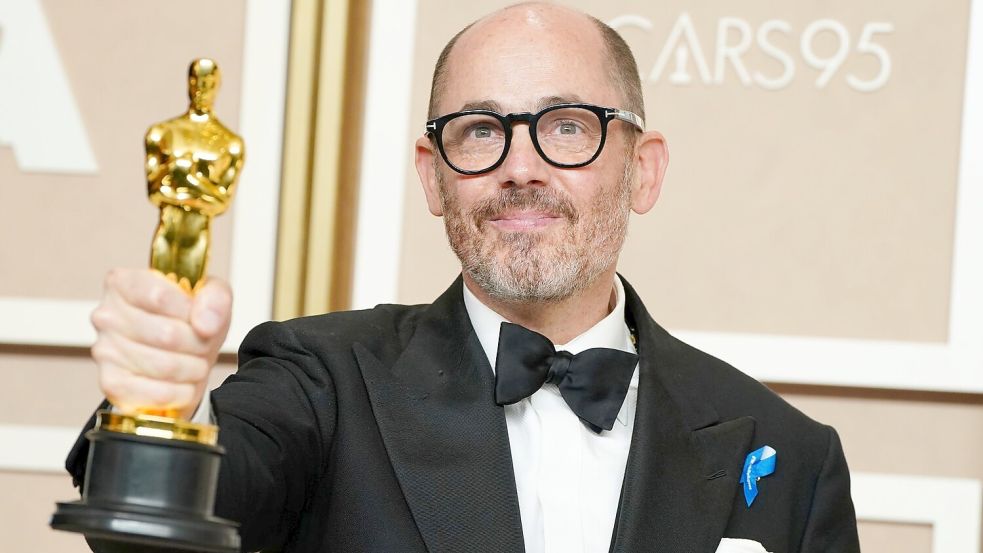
148 494
137 530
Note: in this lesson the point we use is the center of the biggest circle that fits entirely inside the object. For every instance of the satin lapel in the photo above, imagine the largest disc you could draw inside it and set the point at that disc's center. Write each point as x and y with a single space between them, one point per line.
446 438
684 464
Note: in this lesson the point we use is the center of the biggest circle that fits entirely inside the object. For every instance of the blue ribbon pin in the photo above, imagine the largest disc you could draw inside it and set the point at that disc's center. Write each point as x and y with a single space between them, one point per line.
758 464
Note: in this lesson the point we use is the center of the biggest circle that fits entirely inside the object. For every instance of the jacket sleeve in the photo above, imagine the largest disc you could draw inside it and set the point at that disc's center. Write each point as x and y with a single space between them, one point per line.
832 522
276 420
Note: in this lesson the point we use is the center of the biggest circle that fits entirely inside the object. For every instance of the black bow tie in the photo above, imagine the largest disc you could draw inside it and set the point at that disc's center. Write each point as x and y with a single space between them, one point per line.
594 382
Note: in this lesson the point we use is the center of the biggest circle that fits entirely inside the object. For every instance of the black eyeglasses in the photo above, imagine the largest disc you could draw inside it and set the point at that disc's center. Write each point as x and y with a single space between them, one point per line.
565 135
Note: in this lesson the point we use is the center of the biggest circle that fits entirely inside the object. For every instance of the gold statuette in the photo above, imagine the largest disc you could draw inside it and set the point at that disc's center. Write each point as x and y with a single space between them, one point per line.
151 478
193 162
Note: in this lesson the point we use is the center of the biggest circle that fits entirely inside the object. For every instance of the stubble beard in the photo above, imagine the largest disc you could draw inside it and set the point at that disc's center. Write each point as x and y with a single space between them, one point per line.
543 267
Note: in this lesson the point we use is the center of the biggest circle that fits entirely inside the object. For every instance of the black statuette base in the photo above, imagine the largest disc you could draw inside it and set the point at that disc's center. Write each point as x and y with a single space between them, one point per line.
148 495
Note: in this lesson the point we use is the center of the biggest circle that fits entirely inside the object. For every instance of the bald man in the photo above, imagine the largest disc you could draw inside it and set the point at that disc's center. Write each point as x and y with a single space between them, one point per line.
534 406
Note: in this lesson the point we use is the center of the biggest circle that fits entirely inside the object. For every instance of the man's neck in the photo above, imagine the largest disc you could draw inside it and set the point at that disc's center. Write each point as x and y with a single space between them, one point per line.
562 320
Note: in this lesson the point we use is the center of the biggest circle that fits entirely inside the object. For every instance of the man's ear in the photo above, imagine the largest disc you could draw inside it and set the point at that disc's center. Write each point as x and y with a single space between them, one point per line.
427 169
651 160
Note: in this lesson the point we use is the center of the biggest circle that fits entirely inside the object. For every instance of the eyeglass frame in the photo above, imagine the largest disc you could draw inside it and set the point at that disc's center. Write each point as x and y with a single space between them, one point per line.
435 129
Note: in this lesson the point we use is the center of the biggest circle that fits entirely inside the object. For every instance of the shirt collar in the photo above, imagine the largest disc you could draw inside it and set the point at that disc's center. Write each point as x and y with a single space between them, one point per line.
610 332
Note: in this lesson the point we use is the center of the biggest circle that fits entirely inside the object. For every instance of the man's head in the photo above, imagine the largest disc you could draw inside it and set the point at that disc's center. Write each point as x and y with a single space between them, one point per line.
204 78
528 230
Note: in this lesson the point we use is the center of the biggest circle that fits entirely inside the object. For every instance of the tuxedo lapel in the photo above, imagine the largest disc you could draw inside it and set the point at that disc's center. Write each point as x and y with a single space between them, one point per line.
445 437
684 463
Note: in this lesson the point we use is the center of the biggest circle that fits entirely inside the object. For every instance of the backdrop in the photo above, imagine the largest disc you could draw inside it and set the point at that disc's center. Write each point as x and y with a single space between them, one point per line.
821 224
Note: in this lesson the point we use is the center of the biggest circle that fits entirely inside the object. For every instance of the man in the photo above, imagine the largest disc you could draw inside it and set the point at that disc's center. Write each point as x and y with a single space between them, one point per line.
430 428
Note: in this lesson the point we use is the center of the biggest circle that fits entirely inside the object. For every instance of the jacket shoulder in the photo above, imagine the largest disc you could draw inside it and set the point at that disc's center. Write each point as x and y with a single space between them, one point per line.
812 477
732 393
382 328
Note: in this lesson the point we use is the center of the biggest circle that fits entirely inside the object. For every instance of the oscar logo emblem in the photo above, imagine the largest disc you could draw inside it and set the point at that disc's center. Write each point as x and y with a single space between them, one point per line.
151 477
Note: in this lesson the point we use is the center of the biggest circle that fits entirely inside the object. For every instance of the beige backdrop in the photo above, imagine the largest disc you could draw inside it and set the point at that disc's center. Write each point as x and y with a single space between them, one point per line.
126 64
127 67
804 211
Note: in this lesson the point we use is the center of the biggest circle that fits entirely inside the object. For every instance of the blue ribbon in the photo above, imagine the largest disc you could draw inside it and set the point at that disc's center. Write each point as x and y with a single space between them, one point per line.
758 464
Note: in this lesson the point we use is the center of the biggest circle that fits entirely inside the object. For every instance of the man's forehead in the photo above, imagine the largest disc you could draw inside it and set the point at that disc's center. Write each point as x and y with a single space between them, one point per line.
507 89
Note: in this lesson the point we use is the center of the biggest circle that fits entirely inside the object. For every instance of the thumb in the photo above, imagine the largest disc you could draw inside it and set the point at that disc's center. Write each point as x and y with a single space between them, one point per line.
212 308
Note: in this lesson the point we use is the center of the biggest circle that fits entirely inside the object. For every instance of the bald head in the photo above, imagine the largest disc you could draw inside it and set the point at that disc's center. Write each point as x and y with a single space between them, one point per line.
545 21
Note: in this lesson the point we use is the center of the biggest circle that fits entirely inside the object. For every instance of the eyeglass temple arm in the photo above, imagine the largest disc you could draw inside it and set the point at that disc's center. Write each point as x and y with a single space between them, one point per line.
626 116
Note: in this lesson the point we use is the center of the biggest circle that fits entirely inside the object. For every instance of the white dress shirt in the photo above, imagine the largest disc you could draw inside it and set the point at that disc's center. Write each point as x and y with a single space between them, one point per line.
567 477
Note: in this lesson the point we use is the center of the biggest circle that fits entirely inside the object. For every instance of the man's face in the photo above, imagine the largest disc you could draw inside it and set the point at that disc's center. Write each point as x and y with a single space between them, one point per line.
529 231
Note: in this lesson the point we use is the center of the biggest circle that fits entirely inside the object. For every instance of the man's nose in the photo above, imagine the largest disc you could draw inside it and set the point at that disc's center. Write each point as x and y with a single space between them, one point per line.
523 164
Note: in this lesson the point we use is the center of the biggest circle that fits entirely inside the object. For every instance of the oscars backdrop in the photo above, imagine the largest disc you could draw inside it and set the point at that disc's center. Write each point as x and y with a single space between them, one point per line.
821 224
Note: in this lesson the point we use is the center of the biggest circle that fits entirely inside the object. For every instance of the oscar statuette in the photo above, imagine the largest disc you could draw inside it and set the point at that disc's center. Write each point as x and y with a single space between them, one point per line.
151 477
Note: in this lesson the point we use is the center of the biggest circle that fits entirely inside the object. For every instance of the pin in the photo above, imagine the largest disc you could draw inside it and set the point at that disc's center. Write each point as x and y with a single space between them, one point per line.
758 464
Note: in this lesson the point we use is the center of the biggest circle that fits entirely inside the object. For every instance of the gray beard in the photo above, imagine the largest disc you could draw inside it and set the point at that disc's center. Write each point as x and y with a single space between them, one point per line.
528 267
529 275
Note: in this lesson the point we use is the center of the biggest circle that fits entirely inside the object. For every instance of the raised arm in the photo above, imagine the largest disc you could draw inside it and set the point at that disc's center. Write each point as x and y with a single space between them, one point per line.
277 417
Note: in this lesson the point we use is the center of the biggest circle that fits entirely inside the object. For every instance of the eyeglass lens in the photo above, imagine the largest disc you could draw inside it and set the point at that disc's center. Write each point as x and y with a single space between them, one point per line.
566 136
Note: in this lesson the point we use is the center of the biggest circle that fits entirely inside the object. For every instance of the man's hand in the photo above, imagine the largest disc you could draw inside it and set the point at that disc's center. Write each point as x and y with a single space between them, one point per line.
156 344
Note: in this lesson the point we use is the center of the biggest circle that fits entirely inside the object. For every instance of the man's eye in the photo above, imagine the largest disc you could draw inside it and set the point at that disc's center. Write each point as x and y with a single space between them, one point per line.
482 131
568 128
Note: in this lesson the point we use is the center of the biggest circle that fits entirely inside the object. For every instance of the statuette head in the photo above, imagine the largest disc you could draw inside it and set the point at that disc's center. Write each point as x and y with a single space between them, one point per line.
204 79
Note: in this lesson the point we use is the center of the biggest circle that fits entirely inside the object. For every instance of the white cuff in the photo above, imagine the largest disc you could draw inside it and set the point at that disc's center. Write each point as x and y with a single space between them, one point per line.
203 415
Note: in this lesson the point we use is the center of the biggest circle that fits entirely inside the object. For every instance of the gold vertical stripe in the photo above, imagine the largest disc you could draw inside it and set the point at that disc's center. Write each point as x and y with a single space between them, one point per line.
297 155
326 167
349 168
322 143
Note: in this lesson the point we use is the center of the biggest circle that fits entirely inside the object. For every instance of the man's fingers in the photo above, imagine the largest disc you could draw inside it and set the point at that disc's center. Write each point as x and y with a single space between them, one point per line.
131 392
149 290
156 343
211 309
116 316
151 362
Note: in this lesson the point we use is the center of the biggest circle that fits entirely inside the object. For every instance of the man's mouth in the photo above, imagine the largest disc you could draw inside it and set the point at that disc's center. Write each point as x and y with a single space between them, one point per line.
521 220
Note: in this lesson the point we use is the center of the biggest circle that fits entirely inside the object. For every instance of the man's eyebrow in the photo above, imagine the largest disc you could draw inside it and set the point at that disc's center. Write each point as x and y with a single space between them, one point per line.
488 105
547 101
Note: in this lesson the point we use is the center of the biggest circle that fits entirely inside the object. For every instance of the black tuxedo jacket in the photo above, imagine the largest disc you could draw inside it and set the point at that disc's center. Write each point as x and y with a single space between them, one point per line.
377 431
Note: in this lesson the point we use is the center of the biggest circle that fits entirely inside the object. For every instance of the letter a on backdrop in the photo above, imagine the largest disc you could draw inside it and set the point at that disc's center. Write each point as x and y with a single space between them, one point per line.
39 119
